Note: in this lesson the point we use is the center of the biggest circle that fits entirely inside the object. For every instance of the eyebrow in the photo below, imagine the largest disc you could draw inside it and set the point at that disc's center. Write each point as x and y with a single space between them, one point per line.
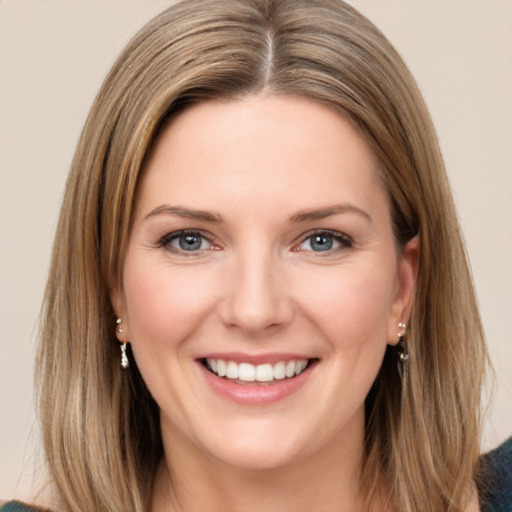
202 215
299 217
322 213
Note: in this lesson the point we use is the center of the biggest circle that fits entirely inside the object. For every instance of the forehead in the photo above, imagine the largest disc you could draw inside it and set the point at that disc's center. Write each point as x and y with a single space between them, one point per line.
267 148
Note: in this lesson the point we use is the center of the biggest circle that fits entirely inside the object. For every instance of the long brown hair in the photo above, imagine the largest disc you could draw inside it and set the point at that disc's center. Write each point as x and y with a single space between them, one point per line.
100 425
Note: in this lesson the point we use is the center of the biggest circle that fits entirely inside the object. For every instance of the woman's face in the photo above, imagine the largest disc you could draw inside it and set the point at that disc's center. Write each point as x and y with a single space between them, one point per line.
262 246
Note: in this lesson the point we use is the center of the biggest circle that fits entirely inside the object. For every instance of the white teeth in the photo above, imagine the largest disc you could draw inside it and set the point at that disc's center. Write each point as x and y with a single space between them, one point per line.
290 369
232 370
279 370
221 368
261 373
264 373
300 367
247 372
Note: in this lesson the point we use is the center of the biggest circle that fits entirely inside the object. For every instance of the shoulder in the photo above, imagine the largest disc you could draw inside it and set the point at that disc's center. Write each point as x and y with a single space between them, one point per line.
17 506
495 485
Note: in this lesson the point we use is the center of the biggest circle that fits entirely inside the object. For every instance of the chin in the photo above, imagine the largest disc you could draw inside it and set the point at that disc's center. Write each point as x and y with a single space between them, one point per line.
256 446
256 458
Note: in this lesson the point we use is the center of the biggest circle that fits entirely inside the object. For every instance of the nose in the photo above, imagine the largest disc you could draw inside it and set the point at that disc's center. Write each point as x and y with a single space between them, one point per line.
257 299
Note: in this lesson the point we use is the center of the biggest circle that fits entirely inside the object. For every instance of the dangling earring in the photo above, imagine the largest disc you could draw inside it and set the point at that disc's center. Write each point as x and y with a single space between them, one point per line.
403 355
124 358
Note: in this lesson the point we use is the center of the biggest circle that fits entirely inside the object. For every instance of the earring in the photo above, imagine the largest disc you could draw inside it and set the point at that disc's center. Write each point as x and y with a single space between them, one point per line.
124 358
119 328
403 355
125 363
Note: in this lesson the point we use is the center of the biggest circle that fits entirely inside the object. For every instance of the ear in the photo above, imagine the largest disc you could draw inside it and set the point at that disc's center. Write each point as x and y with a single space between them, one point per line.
119 306
407 273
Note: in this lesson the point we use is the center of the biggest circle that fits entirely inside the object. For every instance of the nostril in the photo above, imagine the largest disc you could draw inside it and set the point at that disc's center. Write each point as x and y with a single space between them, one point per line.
256 317
255 300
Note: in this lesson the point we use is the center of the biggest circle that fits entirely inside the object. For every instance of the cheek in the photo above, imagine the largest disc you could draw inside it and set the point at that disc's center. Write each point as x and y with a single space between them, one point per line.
350 306
163 305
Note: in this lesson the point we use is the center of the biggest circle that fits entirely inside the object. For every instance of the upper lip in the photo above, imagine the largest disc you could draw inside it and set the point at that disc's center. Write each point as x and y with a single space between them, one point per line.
254 359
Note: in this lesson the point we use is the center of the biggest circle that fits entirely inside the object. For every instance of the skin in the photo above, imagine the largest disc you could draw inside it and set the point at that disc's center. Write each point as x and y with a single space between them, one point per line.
259 285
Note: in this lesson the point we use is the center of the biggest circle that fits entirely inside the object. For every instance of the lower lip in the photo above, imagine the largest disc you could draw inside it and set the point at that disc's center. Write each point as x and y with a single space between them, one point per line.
256 394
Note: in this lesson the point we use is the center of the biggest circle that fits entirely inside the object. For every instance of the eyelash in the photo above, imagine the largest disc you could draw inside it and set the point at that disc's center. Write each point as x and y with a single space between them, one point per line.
343 239
166 240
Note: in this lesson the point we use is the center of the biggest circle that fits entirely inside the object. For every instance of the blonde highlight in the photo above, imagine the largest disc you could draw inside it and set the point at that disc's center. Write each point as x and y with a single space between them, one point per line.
102 437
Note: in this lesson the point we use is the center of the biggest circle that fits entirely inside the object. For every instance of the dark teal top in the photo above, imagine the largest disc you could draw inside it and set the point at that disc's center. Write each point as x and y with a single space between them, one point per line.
16 506
495 491
495 486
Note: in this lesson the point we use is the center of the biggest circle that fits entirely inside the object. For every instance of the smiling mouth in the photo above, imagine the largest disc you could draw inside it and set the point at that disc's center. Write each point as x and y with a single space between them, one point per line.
261 374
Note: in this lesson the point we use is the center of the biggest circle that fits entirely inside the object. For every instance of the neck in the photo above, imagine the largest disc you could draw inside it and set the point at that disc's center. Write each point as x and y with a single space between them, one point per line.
328 481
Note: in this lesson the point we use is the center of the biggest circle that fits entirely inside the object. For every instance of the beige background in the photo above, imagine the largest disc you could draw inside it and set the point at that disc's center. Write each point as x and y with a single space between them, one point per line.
53 56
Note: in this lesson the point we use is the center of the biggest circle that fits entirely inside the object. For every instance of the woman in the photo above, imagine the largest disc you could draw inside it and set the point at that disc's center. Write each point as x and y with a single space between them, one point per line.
258 215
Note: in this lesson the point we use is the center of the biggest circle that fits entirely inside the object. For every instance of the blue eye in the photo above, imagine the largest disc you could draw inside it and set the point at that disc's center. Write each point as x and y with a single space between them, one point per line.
324 241
321 242
189 241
